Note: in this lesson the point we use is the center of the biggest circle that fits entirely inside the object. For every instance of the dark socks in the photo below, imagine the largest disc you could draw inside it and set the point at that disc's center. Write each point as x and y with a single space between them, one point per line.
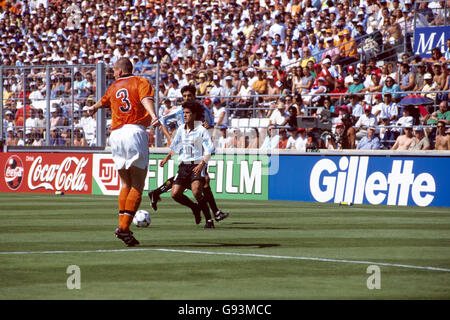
166 186
208 195
205 209
185 201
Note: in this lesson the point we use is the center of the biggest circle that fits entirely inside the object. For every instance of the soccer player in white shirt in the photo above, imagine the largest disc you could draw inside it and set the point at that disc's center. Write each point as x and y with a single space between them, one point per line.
194 146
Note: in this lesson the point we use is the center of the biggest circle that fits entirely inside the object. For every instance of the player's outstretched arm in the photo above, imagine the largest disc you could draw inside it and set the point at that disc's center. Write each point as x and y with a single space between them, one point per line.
167 158
150 107
93 109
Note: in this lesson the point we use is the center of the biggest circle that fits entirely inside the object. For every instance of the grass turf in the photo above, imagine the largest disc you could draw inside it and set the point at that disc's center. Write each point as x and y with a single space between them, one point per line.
264 250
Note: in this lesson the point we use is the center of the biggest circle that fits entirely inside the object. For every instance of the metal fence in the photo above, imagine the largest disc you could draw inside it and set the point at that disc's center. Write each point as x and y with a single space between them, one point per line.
45 106
51 99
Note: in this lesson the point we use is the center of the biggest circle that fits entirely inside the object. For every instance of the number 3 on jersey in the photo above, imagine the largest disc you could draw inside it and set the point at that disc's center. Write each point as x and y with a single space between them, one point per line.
122 94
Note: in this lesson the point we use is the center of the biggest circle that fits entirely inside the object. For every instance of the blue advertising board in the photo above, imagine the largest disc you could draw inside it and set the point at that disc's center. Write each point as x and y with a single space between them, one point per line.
417 181
425 39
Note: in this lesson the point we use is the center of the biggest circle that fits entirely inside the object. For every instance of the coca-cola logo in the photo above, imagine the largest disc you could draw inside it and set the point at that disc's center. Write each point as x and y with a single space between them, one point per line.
14 172
108 175
66 176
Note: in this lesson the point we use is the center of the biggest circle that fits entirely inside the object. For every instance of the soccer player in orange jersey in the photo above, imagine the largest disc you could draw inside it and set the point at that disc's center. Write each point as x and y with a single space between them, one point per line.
130 99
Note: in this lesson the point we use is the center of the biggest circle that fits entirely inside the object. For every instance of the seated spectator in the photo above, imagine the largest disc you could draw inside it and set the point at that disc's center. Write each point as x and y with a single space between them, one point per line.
89 125
282 143
420 140
271 140
370 141
441 114
442 141
277 113
436 56
406 120
291 119
355 108
389 109
78 138
429 85
374 85
357 85
404 141
387 134
341 138
392 87
407 78
55 137
220 113
316 91
260 85
11 139
340 88
292 138
364 122
223 140
37 139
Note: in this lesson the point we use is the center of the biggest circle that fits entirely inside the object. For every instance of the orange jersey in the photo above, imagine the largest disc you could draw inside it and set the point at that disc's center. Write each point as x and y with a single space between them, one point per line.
124 97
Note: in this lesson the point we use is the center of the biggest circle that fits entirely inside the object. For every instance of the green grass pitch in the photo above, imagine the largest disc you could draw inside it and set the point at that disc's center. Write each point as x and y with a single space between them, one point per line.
263 250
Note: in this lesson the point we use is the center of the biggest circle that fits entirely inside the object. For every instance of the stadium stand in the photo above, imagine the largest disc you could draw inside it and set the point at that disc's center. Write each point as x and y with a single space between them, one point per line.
344 63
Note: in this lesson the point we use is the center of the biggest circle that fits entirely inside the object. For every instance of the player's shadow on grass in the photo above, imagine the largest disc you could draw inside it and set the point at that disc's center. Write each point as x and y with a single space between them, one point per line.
252 225
218 245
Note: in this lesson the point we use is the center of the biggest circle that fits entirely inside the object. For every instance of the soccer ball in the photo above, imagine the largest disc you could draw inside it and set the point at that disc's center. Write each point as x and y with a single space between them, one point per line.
142 219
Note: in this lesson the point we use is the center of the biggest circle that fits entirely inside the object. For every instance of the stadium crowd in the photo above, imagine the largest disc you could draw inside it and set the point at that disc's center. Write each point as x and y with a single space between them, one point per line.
348 63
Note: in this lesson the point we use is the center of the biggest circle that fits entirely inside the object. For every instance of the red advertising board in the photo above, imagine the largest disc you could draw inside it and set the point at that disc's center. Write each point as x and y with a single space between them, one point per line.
46 172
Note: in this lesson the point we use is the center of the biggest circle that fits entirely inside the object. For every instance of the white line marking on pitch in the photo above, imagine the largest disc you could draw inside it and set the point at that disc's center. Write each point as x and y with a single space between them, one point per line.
230 254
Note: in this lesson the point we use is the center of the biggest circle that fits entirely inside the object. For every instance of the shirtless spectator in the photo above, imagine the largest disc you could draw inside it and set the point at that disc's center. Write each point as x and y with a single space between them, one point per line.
404 141
442 137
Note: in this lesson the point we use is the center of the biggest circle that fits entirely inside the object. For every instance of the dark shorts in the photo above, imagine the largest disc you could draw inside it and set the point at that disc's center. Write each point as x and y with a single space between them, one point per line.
186 175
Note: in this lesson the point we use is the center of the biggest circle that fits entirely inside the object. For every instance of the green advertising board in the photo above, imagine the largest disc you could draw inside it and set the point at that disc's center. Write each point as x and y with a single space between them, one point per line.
233 176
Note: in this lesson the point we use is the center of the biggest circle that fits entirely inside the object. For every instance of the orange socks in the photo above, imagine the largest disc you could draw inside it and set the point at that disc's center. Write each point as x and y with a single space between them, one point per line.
129 201
122 201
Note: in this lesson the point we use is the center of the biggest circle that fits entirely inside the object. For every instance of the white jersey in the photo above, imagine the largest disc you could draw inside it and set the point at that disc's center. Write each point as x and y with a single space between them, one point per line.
192 145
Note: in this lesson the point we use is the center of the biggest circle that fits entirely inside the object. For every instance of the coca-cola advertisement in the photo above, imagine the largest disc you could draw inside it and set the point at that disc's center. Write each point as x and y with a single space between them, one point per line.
46 172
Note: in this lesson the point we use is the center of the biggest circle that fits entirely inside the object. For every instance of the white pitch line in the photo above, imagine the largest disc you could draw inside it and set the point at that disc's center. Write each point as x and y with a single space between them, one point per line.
386 264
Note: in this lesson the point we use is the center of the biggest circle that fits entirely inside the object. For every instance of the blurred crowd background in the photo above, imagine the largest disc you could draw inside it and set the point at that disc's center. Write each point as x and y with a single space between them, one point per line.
257 65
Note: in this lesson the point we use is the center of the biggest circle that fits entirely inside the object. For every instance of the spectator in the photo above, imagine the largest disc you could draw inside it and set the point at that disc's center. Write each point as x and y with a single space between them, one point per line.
406 120
55 137
366 120
419 79
370 141
277 113
420 140
442 114
316 91
301 141
429 86
355 107
220 113
392 87
271 140
89 125
389 109
78 138
11 139
37 139
404 141
357 85
407 78
442 137
282 143
223 141
56 120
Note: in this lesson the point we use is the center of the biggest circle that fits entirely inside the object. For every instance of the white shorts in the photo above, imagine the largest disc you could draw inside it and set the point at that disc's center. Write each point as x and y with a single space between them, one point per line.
129 147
